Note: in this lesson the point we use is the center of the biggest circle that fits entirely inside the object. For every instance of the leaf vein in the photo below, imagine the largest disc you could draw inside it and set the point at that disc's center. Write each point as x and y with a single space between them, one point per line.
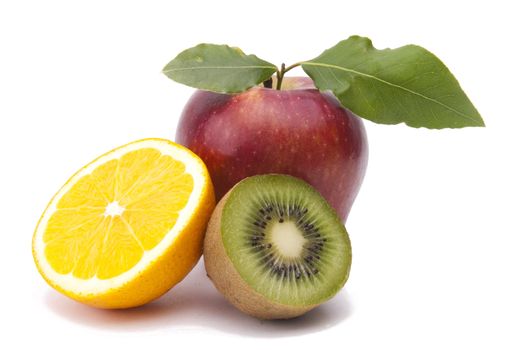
214 67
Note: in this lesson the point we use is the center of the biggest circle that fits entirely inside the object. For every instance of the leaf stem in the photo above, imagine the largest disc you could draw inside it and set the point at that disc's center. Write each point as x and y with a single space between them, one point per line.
292 66
281 72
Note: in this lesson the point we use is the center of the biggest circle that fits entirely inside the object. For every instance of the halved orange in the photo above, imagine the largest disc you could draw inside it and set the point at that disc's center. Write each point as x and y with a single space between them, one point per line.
127 227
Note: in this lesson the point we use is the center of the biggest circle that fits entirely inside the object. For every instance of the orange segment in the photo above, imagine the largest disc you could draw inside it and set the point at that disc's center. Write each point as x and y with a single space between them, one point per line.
65 243
121 251
105 178
88 259
160 169
85 193
131 167
67 222
150 226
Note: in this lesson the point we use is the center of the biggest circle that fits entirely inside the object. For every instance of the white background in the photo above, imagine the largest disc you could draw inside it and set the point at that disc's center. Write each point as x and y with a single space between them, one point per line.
436 230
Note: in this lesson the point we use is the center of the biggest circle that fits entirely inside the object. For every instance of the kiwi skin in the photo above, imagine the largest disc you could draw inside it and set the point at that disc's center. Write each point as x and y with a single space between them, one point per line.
229 282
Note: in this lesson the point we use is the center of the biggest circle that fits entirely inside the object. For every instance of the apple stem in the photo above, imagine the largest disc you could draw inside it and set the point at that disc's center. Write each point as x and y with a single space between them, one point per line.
281 73
279 76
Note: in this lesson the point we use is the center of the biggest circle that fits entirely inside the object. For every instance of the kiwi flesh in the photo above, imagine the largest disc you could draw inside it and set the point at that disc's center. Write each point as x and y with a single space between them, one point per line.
275 248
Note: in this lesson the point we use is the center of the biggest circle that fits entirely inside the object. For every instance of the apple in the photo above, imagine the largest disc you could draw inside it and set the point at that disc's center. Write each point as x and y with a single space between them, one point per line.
297 130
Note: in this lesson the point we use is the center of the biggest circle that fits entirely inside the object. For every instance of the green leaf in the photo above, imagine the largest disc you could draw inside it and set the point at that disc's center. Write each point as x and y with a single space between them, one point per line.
218 68
408 84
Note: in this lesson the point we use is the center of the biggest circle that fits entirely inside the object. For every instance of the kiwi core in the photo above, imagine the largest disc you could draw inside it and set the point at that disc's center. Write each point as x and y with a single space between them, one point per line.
287 239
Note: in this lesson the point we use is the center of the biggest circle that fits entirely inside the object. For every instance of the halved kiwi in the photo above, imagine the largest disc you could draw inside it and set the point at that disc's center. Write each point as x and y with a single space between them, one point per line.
275 248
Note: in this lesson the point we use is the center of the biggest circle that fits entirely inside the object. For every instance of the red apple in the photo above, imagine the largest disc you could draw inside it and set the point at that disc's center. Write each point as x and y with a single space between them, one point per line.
298 131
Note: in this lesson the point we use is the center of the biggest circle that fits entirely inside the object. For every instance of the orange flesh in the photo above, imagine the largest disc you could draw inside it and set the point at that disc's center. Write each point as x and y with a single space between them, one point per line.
108 219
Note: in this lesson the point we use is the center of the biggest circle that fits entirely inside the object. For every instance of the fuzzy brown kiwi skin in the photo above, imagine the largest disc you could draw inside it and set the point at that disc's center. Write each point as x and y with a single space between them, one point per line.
228 281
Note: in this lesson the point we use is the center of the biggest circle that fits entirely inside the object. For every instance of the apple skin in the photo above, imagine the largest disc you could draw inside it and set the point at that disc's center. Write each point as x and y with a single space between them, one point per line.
298 131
